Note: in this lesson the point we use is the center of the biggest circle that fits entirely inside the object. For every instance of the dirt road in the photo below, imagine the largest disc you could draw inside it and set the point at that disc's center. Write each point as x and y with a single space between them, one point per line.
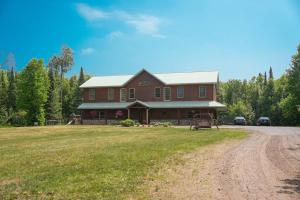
264 166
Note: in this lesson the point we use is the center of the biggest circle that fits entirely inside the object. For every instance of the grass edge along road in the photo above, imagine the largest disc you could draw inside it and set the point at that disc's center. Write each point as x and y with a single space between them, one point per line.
91 162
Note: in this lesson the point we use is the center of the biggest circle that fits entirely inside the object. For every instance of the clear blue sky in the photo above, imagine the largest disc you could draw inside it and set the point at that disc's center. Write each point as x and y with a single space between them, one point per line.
239 38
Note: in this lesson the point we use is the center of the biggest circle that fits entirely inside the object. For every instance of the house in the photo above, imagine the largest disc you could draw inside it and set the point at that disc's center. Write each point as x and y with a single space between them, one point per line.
150 98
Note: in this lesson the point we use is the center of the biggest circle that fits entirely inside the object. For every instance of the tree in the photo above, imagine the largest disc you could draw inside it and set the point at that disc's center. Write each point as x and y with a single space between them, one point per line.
265 79
12 91
78 93
33 85
291 103
3 97
62 64
53 107
3 89
241 109
10 61
271 76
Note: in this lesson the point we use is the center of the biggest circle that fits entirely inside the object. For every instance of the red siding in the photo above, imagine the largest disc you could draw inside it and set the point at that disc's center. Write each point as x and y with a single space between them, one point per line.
146 92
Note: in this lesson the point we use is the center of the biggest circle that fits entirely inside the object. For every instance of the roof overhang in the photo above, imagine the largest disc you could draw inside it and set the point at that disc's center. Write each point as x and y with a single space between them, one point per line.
154 105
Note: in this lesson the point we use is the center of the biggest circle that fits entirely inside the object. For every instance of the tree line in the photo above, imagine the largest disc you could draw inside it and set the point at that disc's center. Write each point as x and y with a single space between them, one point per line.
39 92
263 95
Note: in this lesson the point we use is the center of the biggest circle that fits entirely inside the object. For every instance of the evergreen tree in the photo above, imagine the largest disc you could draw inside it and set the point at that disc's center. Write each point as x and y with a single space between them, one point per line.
271 73
62 64
265 79
78 93
4 90
33 86
53 108
3 97
12 91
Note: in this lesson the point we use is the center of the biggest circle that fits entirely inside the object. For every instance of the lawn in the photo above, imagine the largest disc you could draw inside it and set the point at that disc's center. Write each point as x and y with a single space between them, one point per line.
90 162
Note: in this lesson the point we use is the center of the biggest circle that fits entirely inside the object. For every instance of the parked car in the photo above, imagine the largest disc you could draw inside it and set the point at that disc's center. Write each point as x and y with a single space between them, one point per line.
239 121
263 121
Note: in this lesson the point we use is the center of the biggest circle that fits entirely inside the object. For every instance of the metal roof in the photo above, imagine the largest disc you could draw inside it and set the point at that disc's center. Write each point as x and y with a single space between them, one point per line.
154 104
168 79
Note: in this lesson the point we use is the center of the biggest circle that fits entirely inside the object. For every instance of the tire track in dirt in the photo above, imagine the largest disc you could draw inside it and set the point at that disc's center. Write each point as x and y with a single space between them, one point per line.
264 166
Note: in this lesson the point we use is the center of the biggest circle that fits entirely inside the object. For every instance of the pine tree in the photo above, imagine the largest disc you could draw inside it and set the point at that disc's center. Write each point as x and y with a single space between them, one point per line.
3 90
271 73
78 93
53 108
265 79
12 91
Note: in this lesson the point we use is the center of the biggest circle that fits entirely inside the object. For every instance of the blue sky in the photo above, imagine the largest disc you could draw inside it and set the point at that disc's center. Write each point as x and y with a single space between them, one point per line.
238 38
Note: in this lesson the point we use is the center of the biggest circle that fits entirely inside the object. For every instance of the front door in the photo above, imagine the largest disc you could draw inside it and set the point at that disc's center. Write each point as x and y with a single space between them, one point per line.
142 115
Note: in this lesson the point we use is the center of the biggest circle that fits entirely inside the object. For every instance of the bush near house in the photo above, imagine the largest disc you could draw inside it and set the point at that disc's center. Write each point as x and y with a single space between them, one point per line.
127 123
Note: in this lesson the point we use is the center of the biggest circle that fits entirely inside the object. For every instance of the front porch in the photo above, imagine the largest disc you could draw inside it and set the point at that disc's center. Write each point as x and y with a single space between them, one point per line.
177 113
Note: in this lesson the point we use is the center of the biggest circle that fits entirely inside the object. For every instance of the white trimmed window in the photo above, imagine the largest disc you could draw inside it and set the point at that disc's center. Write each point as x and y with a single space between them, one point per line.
180 91
111 94
123 96
202 91
92 94
101 115
131 93
167 93
157 92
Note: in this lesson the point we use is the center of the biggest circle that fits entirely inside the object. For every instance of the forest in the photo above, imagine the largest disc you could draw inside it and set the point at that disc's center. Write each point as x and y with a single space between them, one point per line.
42 92
263 95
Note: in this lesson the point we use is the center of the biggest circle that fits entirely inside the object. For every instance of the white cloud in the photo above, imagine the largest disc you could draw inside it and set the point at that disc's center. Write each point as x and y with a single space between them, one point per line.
143 24
88 50
146 24
115 34
90 13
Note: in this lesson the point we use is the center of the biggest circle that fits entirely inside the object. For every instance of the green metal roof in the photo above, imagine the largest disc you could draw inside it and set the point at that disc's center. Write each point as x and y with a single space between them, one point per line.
154 104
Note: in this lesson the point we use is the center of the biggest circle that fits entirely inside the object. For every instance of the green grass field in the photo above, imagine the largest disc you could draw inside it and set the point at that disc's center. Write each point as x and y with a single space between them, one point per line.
90 162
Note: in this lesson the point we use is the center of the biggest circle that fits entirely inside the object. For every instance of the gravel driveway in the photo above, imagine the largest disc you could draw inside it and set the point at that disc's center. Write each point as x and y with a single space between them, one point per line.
264 166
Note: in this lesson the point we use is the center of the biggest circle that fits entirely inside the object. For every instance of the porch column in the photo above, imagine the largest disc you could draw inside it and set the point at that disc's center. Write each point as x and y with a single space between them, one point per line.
128 112
178 116
147 115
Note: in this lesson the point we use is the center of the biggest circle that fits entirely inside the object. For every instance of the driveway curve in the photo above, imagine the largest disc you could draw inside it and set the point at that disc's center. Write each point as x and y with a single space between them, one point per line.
265 166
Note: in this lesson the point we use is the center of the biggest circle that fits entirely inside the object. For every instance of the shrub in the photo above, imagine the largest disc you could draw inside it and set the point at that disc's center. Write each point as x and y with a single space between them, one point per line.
19 118
162 124
127 123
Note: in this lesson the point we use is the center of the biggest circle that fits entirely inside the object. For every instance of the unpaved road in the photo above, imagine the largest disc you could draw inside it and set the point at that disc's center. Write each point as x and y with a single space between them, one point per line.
264 166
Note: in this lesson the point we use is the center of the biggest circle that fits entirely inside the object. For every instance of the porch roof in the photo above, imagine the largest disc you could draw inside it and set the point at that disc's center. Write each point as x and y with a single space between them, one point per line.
154 104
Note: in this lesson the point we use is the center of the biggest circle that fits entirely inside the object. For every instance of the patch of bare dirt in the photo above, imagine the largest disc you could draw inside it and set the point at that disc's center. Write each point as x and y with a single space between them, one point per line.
264 166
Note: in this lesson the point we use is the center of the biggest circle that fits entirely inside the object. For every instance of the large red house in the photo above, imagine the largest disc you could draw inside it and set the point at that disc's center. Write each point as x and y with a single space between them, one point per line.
150 98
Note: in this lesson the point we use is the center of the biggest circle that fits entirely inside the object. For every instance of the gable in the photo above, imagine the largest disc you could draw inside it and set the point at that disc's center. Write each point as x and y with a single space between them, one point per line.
163 79
143 78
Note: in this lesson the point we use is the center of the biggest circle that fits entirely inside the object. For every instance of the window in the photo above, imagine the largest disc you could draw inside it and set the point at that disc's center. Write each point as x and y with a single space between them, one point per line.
157 92
101 115
111 94
131 93
202 91
180 91
123 96
92 94
167 93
